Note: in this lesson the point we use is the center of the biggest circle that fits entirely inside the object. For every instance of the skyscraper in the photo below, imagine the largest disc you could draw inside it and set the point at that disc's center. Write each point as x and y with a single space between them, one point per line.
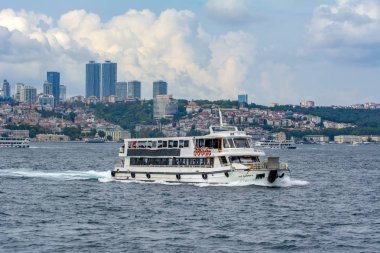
134 89
109 78
93 79
54 79
62 93
17 96
160 88
121 90
47 88
243 98
6 89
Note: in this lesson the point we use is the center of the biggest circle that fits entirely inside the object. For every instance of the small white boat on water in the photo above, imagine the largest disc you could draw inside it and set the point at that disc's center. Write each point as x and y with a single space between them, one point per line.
224 156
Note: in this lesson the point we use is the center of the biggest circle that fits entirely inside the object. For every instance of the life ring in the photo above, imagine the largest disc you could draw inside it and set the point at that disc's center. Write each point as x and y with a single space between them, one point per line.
226 174
178 176
147 175
204 176
133 175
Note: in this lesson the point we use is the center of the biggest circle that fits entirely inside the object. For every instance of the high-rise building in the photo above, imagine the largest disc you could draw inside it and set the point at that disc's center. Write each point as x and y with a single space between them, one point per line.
17 95
62 93
54 79
134 89
28 94
160 88
164 106
6 89
109 78
243 98
47 88
93 79
121 90
46 101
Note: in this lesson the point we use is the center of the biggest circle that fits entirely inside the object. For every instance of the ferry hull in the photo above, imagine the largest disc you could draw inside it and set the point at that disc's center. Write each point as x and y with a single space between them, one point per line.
219 177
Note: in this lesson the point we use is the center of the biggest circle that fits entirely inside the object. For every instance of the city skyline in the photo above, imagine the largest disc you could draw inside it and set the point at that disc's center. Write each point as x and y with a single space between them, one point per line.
325 51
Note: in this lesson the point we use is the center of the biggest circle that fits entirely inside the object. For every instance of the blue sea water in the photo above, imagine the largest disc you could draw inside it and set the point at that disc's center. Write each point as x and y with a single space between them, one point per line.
59 197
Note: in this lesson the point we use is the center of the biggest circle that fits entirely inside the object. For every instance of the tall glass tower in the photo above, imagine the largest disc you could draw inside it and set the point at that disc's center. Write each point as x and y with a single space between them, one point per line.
54 79
93 79
121 90
160 88
134 89
6 89
109 78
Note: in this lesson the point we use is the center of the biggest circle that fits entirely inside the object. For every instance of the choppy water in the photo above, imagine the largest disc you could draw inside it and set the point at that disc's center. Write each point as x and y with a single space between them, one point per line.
60 198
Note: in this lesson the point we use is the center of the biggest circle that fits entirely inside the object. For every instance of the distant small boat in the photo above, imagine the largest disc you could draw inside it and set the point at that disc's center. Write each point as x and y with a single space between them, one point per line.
14 142
95 140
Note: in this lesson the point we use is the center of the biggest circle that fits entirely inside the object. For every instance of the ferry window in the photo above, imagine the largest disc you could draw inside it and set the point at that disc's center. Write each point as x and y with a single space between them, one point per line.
202 161
175 144
241 143
159 144
181 145
183 161
165 144
140 144
234 159
226 144
216 144
154 144
201 143
170 144
186 144
208 143
223 160
148 144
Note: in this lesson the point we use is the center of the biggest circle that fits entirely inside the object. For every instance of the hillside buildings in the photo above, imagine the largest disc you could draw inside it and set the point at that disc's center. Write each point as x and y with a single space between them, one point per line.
164 106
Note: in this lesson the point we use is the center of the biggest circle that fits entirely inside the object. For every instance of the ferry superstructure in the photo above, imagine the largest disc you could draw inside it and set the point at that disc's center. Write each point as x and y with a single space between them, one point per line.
226 155
14 142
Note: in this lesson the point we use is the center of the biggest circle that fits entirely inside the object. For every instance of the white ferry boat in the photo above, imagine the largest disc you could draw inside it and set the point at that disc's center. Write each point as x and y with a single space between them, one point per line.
14 142
276 144
224 156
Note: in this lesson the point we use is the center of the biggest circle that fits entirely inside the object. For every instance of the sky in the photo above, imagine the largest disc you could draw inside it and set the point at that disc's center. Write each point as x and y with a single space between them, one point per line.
275 51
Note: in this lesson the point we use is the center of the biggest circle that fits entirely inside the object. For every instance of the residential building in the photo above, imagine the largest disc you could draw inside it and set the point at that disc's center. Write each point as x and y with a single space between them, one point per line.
243 98
28 94
93 79
160 88
307 104
317 138
62 93
54 79
164 106
121 91
347 138
134 89
47 88
46 101
109 78
6 89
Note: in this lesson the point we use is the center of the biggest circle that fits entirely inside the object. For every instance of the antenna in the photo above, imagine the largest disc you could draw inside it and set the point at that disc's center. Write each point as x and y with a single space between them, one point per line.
220 118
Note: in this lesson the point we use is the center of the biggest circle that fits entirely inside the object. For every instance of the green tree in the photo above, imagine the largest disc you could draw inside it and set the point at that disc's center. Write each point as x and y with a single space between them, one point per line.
101 134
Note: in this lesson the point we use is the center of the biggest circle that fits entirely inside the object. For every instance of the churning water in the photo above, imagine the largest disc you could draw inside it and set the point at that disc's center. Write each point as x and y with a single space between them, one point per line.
61 198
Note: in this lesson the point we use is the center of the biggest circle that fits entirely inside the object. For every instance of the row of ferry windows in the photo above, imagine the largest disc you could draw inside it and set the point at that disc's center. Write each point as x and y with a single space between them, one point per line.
159 144
203 143
209 162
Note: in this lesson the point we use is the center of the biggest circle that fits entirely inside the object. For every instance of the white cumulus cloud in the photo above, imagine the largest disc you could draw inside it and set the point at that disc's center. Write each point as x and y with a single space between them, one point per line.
230 11
171 45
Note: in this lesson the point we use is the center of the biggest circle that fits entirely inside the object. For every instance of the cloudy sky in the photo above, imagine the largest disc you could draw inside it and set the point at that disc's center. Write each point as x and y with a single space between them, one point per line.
275 51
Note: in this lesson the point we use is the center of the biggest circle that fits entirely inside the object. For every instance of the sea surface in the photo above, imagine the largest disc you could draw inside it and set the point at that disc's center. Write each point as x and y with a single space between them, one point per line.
59 197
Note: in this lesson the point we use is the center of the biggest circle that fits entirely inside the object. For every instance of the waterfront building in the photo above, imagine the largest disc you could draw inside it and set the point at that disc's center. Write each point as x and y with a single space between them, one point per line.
28 94
54 79
348 139
160 88
46 101
62 93
93 79
109 78
164 106
121 91
52 137
47 88
19 86
134 89
118 135
317 138
243 98
6 89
